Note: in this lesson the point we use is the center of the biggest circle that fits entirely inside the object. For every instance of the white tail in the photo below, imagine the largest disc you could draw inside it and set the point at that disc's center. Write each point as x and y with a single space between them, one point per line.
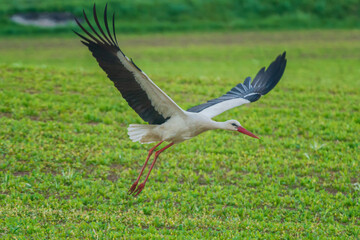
142 133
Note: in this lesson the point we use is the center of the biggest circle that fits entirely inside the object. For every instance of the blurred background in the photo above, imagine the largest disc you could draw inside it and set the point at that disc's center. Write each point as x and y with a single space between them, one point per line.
18 17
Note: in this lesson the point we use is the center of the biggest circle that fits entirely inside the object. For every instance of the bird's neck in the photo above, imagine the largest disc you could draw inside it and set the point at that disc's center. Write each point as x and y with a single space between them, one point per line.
218 125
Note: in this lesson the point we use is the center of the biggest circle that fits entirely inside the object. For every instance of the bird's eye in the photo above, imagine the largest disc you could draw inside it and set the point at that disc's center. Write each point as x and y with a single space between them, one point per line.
234 124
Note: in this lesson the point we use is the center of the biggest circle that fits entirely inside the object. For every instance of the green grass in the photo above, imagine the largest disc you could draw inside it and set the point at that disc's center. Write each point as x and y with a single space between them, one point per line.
66 162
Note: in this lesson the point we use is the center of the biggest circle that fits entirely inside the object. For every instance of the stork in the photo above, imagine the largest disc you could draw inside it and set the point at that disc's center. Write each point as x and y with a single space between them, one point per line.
167 122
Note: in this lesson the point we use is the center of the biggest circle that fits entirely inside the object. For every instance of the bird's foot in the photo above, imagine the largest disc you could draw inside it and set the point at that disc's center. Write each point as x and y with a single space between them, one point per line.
133 187
139 189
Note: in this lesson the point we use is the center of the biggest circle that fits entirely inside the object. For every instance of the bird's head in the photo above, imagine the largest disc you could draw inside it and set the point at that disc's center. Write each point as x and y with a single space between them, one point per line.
234 125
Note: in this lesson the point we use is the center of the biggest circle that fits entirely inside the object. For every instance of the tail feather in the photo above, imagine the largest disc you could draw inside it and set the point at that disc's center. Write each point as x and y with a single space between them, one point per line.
142 133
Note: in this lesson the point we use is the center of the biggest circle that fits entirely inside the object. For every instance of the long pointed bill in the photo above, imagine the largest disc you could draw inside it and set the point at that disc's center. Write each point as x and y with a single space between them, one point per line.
244 131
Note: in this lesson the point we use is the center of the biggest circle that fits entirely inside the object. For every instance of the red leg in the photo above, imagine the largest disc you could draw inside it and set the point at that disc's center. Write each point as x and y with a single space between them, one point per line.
142 185
131 190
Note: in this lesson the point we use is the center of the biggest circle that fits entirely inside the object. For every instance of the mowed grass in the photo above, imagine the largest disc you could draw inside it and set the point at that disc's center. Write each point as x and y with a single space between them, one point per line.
66 162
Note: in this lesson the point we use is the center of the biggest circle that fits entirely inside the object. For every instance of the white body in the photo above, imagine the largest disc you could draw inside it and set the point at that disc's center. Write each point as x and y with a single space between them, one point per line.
177 129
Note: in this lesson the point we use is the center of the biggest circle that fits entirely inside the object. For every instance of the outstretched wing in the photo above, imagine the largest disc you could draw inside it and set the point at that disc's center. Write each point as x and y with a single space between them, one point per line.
245 92
147 99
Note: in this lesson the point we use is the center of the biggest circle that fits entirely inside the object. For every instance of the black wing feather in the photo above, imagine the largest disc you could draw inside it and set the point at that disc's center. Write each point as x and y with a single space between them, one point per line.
264 81
107 26
104 49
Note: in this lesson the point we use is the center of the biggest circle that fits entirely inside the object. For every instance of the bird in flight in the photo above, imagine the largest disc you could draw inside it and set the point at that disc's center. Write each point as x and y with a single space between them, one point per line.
167 122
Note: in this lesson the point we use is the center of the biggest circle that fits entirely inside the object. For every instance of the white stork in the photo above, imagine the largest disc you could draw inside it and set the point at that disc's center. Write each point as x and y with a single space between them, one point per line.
167 121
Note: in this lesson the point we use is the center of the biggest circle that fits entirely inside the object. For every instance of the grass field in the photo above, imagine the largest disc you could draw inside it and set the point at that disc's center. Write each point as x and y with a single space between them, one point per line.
66 162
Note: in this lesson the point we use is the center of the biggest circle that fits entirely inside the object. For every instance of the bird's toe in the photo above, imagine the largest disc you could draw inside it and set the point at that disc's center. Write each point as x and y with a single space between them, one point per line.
139 189
133 187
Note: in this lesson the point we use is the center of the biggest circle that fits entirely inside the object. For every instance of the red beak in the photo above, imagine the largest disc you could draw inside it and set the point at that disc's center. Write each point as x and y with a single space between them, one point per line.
244 131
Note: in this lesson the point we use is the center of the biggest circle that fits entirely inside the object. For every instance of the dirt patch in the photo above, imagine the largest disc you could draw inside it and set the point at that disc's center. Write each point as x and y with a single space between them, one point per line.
194 39
32 91
331 190
92 123
34 118
354 180
112 177
117 166
5 114
21 173
239 38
